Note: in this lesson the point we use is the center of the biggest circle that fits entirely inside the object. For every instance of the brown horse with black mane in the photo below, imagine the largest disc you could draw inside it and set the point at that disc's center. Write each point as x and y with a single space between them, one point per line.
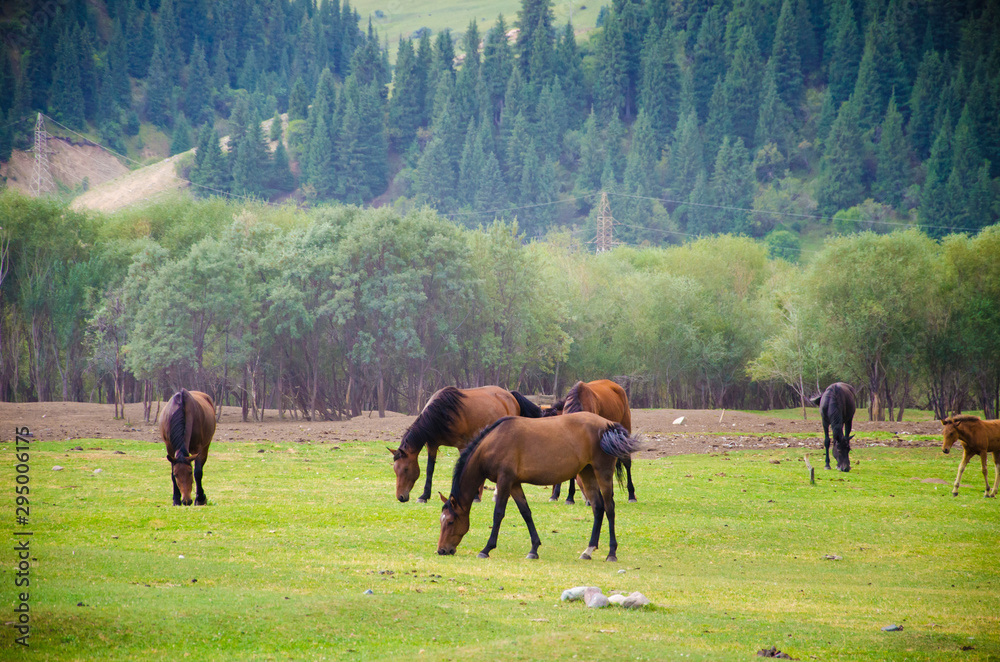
978 437
603 397
452 417
541 451
187 427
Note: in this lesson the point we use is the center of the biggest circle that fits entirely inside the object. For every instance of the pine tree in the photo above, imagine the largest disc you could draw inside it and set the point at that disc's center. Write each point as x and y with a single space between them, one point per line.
158 90
469 166
88 70
611 81
588 177
491 193
298 101
741 87
708 60
66 95
785 55
141 38
198 94
541 58
424 86
7 83
281 179
659 91
867 93
687 158
435 180
252 160
210 172
641 164
322 163
498 62
893 159
774 123
570 73
732 186
181 137
466 99
249 72
363 150
535 17
405 104
842 51
840 185
551 119
924 102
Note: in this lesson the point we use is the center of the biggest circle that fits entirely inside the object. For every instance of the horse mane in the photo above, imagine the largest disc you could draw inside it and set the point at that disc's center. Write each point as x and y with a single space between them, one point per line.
963 418
528 408
178 424
463 458
435 420
572 402
554 409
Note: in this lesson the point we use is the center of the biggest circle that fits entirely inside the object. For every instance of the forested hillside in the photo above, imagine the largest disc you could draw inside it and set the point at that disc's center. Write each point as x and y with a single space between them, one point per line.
753 117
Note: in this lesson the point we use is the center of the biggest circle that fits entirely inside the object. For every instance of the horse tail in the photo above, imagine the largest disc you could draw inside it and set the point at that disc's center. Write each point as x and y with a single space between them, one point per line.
616 441
528 408
178 425
816 398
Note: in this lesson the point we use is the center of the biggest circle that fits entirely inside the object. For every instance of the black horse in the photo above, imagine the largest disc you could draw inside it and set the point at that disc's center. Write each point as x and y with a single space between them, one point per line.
837 405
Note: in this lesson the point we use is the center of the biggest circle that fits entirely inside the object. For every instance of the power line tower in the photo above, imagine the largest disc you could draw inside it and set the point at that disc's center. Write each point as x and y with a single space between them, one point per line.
41 177
605 239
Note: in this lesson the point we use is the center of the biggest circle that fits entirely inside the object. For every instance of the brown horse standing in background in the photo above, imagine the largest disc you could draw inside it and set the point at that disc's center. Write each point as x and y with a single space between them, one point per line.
187 427
978 437
543 451
452 417
603 397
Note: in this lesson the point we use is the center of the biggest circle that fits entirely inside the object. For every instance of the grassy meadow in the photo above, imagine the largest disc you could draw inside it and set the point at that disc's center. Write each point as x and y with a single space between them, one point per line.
730 548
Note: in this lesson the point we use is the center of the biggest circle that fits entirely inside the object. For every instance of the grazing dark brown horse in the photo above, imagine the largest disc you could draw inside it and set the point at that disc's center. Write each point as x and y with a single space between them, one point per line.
541 451
603 397
452 417
187 427
978 437
837 405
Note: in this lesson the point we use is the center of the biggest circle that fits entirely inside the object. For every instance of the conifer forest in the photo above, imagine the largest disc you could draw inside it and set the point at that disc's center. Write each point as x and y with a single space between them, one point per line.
803 191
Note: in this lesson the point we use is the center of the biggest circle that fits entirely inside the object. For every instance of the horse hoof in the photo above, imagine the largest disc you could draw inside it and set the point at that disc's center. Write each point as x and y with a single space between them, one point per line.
421 500
954 493
551 499
612 558
483 555
570 502
633 500
477 500
585 556
531 555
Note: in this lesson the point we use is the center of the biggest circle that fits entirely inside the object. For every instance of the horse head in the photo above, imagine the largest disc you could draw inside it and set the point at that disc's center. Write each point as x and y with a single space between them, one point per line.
407 470
842 450
454 525
949 434
183 475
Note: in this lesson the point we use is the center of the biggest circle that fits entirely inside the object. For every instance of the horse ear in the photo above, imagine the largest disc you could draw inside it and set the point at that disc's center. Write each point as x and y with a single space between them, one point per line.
171 459
392 450
444 499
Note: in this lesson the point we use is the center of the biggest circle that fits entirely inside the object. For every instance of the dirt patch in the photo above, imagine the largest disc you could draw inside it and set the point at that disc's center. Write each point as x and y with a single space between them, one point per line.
69 162
701 432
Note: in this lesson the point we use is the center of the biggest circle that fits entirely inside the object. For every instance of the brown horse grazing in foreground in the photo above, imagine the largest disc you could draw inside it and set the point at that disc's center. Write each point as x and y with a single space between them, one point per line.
603 397
978 437
452 417
187 427
541 451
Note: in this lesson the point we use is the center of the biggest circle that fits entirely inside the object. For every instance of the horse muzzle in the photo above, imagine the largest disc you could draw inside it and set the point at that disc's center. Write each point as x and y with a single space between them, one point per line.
946 450
446 552
403 498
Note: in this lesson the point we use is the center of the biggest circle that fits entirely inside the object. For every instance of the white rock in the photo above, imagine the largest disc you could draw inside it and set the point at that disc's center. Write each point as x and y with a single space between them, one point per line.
180 556
57 468
616 599
97 471
635 600
597 601
679 421
573 594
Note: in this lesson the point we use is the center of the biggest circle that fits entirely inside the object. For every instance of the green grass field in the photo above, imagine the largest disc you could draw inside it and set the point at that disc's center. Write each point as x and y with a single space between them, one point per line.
730 548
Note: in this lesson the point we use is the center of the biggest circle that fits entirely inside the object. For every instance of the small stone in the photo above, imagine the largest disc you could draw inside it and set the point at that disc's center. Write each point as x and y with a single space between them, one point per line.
77 448
180 556
597 600
635 600
679 420
833 557
369 592
573 594
97 471
57 468
892 628
621 572
616 599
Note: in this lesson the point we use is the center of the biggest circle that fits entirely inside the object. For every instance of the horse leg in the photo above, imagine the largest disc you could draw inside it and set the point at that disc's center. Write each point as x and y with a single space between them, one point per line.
570 492
503 493
628 474
961 467
826 440
200 499
589 488
996 473
177 492
986 475
555 492
522 505
607 487
432 453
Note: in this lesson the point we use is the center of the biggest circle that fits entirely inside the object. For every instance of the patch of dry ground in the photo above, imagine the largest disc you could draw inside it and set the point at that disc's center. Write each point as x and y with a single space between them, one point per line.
69 162
702 431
